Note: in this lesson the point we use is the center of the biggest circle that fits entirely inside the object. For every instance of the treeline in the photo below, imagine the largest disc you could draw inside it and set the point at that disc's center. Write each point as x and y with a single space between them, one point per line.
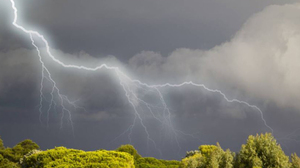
260 151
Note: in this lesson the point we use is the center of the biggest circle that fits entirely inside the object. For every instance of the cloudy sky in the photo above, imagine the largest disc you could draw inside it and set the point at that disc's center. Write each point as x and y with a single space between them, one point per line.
247 49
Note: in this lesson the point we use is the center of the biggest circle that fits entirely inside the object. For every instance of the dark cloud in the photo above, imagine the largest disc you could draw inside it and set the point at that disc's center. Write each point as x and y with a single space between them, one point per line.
143 37
261 59
128 27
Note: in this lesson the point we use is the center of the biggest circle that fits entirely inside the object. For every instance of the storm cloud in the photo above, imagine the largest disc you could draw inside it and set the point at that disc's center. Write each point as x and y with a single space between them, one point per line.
223 44
261 59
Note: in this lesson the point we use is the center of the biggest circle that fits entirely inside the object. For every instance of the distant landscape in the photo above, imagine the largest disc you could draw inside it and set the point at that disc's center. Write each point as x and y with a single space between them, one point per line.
260 151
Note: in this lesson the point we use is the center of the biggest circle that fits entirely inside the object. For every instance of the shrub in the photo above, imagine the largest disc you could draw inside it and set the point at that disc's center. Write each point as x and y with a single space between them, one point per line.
63 157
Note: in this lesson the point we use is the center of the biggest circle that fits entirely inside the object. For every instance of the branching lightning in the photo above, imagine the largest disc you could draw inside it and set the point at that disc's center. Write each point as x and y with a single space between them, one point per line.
129 85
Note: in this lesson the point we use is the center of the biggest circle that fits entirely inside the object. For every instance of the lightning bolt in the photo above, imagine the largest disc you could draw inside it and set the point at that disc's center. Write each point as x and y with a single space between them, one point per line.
130 86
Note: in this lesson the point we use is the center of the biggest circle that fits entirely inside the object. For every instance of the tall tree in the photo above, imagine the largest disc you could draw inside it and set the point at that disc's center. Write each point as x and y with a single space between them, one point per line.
262 151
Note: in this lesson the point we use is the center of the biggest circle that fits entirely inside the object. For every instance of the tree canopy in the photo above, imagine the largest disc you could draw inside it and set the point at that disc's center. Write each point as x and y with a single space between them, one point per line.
212 156
129 149
295 161
260 151
17 152
63 157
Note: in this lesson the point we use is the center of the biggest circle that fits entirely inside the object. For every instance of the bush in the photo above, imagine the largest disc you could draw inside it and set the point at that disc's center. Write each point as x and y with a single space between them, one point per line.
63 157
149 162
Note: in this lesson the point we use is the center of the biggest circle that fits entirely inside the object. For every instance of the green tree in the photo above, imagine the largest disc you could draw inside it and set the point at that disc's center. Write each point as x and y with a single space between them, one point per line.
208 156
5 163
129 149
295 161
262 151
147 162
192 160
206 150
227 159
191 153
219 158
214 158
17 152
25 146
1 144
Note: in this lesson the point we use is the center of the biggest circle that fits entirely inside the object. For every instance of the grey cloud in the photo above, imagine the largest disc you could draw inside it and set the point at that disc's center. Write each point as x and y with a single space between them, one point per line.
216 67
124 28
21 74
261 59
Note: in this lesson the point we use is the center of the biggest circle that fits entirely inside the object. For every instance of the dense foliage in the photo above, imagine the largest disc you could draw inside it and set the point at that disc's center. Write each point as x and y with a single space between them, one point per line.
208 156
10 157
295 161
147 162
129 149
63 157
260 151
1 144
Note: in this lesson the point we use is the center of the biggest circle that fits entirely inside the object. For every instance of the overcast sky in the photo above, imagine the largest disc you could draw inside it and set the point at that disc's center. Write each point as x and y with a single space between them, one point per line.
247 49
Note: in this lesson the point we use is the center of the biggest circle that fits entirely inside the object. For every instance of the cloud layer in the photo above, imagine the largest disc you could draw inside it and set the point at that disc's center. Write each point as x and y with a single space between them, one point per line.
262 59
